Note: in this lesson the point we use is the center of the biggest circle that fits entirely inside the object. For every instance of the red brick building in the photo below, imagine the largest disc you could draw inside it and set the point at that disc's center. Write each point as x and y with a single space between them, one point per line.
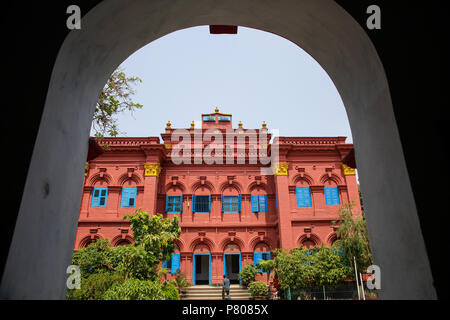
231 212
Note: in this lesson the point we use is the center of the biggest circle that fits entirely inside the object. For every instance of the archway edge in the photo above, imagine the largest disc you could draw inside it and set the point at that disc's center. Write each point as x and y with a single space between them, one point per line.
112 31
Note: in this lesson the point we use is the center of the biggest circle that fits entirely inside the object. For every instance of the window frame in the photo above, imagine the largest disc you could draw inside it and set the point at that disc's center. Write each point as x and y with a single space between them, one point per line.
238 203
258 203
99 197
194 203
128 197
173 209
329 198
300 200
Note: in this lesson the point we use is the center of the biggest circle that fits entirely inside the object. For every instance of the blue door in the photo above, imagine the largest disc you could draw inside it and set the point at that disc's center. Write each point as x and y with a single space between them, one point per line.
201 268
232 266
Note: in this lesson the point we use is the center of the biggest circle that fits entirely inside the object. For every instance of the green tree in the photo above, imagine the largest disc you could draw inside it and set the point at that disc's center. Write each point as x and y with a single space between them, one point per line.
156 235
303 268
353 238
114 99
96 257
329 269
267 266
130 271
248 274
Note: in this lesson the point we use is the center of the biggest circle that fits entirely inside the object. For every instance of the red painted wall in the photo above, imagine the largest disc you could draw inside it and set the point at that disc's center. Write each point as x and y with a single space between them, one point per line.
313 162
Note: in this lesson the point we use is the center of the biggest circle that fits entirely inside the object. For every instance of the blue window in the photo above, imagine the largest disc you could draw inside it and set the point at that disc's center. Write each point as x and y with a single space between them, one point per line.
259 203
174 204
99 197
201 203
258 256
224 118
231 203
128 197
173 264
331 195
303 197
209 118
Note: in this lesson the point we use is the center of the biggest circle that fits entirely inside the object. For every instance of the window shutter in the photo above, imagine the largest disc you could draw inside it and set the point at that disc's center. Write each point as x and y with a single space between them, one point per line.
335 196
133 197
222 205
181 204
307 197
193 203
175 263
239 203
209 203
167 203
254 203
257 257
95 197
124 199
262 203
331 195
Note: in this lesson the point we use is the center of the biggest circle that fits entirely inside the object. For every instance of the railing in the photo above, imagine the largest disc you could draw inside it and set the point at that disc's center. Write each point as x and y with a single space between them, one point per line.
311 140
128 141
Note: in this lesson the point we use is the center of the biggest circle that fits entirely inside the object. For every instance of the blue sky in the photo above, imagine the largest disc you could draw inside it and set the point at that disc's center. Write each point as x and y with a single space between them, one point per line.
254 75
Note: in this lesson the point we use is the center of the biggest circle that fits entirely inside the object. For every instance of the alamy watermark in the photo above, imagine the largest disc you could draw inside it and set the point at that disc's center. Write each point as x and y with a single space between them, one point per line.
74 279
235 146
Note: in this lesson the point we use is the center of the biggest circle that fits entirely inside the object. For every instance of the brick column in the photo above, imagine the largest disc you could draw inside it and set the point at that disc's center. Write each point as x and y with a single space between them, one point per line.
352 187
318 199
151 176
84 212
284 219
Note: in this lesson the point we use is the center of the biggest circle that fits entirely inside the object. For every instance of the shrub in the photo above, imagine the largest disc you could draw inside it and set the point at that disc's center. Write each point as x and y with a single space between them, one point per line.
181 281
170 291
94 258
135 289
94 286
257 289
248 274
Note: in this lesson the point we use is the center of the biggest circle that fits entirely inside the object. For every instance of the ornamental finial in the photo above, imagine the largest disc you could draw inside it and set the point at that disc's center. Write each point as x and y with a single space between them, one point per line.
168 124
264 124
240 124
217 109
192 124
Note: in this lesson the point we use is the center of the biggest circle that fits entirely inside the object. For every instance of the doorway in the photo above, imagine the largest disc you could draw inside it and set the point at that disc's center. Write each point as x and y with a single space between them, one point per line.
232 266
201 272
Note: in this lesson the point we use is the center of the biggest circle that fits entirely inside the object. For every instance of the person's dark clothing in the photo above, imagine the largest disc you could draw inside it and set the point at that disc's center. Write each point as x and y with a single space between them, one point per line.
226 288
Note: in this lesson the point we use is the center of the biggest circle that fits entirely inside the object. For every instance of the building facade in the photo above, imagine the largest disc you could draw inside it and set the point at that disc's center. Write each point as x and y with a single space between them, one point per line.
234 207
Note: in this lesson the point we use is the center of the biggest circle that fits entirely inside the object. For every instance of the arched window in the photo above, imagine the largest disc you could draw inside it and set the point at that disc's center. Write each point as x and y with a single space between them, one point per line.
258 200
201 200
261 252
122 242
174 200
99 196
303 193
129 194
231 200
308 243
331 193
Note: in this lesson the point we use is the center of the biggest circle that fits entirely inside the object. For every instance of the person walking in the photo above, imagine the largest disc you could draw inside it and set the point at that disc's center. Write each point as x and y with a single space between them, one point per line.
225 287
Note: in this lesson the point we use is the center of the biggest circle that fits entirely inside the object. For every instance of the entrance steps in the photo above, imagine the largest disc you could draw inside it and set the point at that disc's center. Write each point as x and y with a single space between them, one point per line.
207 292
